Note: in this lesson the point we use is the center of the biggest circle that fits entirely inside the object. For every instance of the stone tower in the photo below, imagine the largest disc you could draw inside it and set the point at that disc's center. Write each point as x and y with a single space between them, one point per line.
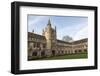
50 35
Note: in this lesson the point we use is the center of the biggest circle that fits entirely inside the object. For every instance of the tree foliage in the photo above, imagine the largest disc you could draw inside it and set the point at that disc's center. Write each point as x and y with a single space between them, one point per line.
67 38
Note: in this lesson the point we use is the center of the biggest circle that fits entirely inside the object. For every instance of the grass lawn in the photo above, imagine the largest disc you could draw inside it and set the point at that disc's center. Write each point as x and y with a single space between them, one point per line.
69 56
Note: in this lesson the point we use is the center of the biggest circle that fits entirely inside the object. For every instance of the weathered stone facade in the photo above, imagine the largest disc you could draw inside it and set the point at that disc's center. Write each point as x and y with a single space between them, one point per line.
47 44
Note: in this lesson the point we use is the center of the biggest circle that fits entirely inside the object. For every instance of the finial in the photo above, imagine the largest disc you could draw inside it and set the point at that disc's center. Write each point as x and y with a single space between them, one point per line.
43 30
49 23
33 30
55 27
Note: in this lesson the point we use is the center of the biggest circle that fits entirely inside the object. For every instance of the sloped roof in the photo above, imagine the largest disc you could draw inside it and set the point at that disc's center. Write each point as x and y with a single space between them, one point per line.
33 35
61 41
74 42
80 41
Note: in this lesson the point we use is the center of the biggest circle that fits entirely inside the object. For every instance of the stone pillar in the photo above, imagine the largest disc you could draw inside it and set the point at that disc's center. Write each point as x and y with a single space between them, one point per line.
41 46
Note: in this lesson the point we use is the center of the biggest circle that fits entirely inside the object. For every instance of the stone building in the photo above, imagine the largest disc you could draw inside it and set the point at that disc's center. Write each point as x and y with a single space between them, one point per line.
47 44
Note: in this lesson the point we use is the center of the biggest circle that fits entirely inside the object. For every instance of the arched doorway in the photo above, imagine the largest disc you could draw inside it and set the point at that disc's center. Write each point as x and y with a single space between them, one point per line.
62 52
80 51
76 51
43 53
85 50
34 53
53 52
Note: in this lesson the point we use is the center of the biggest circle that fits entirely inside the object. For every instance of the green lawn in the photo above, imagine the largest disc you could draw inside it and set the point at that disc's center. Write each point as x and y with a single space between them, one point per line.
70 56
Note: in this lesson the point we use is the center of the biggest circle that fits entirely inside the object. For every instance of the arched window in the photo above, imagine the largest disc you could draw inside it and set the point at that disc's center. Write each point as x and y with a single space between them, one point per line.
62 52
38 45
44 46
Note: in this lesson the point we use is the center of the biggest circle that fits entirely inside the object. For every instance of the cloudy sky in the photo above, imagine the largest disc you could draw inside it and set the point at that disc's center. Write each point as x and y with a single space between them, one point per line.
73 26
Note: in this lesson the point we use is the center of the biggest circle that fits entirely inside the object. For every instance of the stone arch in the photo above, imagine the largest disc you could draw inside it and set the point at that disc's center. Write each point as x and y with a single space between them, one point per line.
76 51
79 51
85 50
53 52
62 52
43 53
34 53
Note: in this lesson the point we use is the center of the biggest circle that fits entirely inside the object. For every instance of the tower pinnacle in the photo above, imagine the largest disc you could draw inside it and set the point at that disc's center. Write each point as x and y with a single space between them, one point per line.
49 23
55 28
33 30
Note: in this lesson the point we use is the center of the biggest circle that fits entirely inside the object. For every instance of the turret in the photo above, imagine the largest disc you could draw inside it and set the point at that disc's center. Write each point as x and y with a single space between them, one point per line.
50 35
55 30
33 31
43 33
49 23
